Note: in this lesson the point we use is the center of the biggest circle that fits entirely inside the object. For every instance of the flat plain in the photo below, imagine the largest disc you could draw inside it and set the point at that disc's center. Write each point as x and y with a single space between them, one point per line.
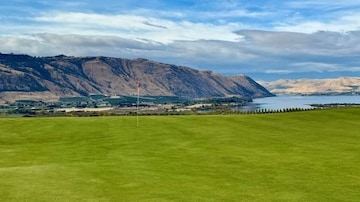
298 156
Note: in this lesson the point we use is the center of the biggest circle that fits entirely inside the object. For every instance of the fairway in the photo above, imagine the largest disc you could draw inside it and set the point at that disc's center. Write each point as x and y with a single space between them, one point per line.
299 156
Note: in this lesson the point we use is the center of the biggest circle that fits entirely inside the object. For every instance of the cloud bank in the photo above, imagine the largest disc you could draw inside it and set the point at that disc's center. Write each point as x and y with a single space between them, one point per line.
225 36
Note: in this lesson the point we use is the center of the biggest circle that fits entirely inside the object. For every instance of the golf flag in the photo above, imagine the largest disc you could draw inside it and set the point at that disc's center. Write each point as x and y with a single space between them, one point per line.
137 104
138 87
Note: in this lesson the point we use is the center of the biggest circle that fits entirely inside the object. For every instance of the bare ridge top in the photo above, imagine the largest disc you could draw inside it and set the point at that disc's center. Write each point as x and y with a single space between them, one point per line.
80 76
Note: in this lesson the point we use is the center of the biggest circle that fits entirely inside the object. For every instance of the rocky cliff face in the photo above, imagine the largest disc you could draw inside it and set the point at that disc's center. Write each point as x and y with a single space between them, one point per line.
63 76
314 86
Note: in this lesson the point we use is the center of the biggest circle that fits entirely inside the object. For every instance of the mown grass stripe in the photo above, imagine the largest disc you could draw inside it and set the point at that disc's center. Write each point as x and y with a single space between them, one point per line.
302 156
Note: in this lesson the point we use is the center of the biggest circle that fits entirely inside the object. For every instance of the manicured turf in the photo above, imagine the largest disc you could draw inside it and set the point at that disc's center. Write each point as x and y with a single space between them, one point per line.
300 156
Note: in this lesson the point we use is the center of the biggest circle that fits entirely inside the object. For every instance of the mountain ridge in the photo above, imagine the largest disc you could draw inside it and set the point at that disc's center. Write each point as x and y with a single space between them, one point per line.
341 85
66 76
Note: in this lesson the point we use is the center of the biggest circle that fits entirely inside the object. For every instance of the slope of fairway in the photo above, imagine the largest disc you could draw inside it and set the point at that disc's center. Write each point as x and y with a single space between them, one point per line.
302 156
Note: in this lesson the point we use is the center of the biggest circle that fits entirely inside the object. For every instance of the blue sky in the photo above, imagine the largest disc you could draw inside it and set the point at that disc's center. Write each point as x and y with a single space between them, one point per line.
264 39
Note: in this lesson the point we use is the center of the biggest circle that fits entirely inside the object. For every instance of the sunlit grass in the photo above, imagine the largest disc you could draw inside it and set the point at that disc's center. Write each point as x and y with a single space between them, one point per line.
302 156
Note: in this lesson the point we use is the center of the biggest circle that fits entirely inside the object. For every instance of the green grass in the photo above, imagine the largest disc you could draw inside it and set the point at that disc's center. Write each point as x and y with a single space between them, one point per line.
302 156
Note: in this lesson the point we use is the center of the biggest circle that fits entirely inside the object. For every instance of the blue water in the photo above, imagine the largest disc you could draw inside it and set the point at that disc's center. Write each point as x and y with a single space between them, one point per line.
286 101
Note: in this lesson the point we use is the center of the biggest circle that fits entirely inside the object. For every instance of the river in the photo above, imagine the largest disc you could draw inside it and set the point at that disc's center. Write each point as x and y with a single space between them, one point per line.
298 101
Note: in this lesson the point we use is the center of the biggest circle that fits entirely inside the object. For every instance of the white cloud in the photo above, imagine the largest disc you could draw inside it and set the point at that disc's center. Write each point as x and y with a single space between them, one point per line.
321 4
317 67
342 24
278 71
135 27
258 51
324 67
75 45
289 43
215 35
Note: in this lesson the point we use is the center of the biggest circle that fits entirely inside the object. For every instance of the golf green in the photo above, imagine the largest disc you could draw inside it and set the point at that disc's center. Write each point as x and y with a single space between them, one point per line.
299 156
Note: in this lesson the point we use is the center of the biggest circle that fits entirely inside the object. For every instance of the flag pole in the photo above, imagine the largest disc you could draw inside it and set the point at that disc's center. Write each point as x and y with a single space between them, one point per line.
137 105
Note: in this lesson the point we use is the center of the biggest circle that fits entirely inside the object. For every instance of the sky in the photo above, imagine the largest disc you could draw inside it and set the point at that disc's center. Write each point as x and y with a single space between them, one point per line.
265 39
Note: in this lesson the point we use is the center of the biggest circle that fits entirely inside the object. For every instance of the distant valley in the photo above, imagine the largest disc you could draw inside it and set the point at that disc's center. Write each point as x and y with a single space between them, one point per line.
337 86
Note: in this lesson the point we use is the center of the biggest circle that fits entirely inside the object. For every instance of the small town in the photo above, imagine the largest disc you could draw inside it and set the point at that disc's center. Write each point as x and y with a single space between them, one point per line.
98 105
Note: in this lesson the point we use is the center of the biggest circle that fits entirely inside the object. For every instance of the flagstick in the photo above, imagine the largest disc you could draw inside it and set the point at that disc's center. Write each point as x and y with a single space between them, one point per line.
137 106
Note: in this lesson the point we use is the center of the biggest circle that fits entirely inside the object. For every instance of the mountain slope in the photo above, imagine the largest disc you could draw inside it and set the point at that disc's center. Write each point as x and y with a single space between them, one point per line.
80 76
314 86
